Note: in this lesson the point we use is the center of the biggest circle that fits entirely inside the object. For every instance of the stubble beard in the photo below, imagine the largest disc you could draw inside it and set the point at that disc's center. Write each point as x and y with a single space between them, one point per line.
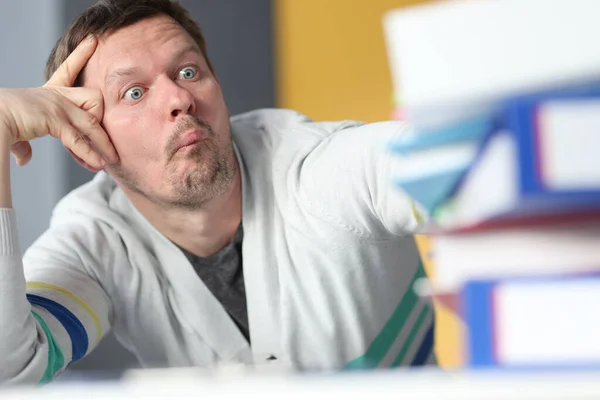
212 175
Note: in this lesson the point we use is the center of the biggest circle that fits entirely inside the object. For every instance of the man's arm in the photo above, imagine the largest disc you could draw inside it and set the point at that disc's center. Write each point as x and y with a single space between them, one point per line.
5 192
349 178
52 313
61 314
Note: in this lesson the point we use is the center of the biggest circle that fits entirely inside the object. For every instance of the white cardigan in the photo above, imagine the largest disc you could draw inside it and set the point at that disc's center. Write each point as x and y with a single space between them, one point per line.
329 262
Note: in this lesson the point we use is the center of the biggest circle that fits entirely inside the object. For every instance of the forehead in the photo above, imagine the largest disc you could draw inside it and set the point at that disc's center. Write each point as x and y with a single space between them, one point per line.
144 43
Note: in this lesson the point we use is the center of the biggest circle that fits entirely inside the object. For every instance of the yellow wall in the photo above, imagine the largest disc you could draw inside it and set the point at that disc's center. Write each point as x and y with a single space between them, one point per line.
330 58
331 64
449 331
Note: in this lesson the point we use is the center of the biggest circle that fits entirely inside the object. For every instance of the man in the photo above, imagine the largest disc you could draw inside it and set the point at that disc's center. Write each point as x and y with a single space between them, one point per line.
153 247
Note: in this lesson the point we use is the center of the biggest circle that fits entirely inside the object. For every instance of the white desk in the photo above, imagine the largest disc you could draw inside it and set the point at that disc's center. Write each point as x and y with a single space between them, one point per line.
397 385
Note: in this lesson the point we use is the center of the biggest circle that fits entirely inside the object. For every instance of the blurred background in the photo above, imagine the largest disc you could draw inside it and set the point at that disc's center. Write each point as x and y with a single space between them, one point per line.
324 58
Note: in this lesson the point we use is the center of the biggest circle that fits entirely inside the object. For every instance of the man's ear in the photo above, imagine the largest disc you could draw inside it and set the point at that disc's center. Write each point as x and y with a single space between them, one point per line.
83 163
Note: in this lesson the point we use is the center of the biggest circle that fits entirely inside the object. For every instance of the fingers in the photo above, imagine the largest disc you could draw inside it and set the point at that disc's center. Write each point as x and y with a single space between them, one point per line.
87 99
83 163
83 110
81 148
86 117
68 71
22 152
88 127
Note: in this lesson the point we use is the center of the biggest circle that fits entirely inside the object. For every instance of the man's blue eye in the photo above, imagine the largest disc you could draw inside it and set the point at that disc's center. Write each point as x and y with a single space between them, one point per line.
188 73
135 93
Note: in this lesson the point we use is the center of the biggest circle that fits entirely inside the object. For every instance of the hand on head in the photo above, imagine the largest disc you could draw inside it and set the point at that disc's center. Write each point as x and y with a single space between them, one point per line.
72 114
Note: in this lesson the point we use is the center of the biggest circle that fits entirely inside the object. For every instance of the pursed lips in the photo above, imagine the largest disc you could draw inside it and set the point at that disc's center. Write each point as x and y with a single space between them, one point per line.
190 138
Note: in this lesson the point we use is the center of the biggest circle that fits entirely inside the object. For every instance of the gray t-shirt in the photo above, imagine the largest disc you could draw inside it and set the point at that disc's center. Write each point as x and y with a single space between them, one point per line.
222 273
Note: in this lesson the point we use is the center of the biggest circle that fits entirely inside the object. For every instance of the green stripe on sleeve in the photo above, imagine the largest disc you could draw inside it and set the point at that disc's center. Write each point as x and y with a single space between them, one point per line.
411 337
56 359
384 340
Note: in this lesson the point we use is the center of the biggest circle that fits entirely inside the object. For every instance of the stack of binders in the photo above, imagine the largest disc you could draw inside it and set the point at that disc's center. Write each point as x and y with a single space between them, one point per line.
508 169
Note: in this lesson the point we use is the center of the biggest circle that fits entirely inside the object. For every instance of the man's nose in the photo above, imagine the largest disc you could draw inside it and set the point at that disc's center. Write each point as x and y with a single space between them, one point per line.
179 100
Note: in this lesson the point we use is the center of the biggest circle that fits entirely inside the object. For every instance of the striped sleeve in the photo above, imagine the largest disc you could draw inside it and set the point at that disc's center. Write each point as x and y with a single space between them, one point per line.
23 343
406 339
55 313
66 298
73 306
56 359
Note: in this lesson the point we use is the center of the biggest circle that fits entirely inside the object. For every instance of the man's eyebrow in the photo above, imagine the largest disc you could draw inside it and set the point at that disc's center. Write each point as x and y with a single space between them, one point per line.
192 48
120 73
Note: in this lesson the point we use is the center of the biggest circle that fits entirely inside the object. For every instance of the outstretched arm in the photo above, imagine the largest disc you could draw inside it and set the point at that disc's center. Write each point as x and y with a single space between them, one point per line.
350 177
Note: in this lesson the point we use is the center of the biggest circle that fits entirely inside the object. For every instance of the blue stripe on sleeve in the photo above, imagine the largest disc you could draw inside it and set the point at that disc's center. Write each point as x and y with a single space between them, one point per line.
76 330
425 349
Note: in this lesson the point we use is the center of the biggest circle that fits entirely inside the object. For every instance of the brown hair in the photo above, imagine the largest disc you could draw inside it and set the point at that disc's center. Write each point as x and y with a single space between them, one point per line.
107 16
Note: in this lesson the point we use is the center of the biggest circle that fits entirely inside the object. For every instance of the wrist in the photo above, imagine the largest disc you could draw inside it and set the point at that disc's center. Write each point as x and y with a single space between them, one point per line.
6 125
5 135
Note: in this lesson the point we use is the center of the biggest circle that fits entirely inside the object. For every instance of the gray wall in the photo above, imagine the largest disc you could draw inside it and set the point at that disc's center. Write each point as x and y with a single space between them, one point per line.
238 33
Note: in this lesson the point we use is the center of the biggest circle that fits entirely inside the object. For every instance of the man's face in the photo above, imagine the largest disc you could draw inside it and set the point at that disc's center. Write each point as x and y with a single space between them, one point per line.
164 112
